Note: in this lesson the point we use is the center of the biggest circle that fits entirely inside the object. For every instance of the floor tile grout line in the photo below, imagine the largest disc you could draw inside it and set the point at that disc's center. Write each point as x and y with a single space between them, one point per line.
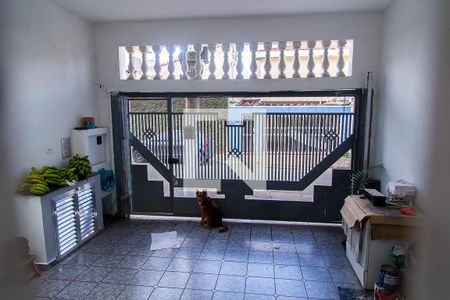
228 239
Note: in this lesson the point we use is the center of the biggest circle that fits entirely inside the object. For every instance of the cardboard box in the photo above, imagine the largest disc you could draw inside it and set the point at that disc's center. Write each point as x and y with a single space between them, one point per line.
386 223
371 233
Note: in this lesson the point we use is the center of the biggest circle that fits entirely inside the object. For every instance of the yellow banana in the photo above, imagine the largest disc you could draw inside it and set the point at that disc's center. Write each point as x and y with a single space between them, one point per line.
36 181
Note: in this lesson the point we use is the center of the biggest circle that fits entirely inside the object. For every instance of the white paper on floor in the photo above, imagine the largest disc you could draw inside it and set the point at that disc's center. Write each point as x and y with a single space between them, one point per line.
164 240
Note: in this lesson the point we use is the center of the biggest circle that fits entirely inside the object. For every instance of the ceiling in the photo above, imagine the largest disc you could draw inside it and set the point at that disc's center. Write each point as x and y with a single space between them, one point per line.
103 11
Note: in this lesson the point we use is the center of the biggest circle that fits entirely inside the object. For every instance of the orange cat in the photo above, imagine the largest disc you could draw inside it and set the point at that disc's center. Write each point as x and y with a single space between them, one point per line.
210 212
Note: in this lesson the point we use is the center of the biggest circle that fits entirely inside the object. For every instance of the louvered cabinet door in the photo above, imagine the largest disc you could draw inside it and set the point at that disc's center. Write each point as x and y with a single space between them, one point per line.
65 216
86 211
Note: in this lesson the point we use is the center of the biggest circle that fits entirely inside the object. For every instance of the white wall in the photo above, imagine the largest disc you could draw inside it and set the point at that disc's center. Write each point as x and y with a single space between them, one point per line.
365 29
50 81
50 86
407 85
413 125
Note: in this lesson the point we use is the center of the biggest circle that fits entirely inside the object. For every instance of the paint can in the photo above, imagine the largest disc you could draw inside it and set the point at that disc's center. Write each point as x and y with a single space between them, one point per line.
388 278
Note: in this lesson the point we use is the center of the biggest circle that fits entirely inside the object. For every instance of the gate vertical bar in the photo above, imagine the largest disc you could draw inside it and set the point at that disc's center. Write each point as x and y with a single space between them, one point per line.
283 147
309 144
271 147
277 160
302 143
322 125
170 150
293 147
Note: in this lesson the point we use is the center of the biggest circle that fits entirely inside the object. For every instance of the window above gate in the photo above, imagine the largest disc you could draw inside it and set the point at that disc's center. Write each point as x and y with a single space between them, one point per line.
237 61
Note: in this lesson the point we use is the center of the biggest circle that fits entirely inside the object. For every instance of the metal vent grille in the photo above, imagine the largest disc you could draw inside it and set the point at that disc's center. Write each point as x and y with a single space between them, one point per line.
86 211
66 223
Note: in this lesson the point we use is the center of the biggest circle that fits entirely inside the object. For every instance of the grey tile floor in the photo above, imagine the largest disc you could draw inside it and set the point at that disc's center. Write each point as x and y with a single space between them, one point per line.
250 261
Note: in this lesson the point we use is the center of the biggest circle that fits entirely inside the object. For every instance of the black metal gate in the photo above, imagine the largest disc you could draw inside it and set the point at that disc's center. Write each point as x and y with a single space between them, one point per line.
198 148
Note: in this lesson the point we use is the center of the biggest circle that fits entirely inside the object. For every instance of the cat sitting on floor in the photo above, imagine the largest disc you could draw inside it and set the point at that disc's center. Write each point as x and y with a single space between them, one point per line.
210 212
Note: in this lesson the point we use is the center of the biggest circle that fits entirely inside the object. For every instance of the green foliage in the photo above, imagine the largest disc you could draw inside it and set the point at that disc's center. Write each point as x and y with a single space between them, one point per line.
359 179
178 104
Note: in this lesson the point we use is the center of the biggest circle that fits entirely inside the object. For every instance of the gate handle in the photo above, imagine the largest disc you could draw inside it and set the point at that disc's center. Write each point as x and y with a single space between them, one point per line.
173 160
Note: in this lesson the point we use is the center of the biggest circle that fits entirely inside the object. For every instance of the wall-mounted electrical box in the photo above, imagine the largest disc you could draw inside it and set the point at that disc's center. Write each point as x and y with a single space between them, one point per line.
65 148
90 142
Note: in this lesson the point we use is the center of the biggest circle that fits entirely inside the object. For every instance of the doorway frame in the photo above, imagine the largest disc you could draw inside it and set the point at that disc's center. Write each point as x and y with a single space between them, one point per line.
119 114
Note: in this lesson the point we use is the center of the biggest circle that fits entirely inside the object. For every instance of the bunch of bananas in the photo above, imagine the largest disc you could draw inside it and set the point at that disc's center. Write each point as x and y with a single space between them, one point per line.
82 166
34 183
69 174
54 176
39 182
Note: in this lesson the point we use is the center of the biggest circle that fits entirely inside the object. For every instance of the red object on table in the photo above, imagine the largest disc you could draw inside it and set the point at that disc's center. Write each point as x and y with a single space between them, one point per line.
408 211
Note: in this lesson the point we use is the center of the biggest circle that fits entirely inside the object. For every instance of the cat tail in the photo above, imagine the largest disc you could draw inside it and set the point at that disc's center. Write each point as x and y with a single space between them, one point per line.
224 228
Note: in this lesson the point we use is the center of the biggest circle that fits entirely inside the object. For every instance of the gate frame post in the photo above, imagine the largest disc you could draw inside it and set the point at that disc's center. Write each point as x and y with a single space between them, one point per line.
360 129
121 157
